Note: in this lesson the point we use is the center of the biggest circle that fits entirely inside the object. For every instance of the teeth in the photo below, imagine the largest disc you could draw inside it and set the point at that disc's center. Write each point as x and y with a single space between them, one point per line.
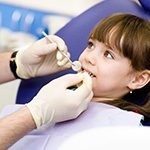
92 75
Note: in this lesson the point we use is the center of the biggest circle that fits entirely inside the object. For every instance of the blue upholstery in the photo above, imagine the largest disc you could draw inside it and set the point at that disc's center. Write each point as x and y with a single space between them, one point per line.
75 34
146 5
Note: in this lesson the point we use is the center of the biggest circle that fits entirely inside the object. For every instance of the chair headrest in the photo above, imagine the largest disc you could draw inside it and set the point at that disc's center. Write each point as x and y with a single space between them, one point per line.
146 5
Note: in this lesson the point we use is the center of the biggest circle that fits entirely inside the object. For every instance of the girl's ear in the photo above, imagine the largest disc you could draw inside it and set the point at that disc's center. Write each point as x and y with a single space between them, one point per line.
140 80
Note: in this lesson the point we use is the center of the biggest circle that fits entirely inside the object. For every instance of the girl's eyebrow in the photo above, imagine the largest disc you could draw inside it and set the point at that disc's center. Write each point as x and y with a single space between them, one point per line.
114 49
110 47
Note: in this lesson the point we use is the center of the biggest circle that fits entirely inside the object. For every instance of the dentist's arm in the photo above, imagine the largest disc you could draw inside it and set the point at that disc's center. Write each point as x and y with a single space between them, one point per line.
6 74
15 126
53 103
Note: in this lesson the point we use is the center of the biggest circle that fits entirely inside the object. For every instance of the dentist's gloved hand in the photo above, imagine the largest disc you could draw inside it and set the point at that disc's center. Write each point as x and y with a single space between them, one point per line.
55 103
42 58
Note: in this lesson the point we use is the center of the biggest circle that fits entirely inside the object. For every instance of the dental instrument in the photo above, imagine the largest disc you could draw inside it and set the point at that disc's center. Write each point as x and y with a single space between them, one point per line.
76 65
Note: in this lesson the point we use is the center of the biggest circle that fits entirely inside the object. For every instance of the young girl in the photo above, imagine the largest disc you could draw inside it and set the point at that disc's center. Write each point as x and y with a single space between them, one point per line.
118 59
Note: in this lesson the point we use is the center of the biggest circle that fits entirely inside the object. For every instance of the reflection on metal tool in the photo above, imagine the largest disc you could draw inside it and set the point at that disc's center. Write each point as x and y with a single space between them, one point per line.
76 65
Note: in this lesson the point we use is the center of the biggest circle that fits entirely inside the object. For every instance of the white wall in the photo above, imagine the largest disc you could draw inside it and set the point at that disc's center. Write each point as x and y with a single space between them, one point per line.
8 91
73 7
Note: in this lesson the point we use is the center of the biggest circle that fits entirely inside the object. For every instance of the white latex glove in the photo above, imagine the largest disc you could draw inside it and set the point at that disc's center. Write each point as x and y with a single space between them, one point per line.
41 58
55 103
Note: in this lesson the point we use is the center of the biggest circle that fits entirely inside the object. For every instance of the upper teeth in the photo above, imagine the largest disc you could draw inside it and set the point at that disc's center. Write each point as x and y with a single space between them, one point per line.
92 75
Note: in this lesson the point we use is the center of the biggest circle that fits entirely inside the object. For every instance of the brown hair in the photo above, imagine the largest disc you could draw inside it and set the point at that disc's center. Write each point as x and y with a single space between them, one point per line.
130 35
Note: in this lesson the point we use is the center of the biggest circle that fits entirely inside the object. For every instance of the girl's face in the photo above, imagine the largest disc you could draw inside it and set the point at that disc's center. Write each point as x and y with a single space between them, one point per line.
111 72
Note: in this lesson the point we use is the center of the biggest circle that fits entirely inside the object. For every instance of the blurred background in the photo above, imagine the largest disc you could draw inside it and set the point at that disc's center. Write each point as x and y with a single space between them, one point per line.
21 23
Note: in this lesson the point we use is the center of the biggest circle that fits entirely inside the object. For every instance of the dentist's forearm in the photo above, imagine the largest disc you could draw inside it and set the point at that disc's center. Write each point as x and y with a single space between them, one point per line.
14 127
6 74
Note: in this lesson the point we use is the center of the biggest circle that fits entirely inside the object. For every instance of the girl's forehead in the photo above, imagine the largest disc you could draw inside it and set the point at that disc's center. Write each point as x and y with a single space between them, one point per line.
107 35
112 38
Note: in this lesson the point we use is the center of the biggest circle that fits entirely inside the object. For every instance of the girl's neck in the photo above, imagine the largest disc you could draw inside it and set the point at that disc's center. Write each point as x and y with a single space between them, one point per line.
100 99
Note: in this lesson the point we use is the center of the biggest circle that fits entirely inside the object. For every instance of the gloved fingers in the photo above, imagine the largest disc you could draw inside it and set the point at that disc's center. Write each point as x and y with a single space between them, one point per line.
83 104
71 79
65 50
87 80
83 95
60 42
89 97
85 88
46 49
64 61
60 56
67 65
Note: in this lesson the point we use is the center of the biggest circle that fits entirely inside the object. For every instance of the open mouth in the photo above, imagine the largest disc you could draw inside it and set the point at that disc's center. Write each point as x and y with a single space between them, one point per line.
90 73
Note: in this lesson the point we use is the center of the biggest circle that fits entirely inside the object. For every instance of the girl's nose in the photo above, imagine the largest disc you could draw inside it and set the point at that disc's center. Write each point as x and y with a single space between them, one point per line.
91 58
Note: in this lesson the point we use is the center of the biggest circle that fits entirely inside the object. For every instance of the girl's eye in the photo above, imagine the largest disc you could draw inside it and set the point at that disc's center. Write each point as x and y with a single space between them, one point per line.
90 45
108 55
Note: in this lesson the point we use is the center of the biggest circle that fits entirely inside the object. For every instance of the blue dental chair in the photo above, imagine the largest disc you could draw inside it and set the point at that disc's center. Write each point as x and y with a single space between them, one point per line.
75 34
